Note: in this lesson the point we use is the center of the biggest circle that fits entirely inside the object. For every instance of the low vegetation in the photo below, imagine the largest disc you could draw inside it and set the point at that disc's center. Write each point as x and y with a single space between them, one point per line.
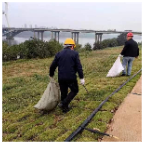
25 80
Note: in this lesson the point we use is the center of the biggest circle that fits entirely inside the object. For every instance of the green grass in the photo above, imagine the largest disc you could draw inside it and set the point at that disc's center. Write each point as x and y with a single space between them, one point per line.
24 81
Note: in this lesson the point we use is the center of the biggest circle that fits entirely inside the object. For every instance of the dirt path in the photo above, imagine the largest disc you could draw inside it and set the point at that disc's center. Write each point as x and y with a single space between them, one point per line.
127 121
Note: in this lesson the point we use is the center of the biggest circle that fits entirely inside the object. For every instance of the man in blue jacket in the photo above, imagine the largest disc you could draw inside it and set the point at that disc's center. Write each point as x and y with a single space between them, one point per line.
129 52
68 64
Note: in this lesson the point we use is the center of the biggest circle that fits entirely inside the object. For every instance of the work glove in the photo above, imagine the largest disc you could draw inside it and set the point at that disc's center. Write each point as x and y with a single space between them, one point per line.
120 55
82 81
50 77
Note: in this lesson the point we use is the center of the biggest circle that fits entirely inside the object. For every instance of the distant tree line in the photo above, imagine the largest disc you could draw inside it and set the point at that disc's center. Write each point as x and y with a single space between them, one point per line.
114 42
31 49
34 48
44 49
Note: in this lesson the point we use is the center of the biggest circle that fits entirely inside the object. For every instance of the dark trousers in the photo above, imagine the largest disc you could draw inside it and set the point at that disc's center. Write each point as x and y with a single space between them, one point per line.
65 97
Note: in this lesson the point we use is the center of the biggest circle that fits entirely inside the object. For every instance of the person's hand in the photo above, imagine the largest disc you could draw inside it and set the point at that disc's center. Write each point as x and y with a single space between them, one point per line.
120 55
82 81
50 77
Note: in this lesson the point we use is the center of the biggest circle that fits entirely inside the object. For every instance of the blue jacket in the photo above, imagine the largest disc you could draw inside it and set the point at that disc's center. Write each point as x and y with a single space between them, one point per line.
68 64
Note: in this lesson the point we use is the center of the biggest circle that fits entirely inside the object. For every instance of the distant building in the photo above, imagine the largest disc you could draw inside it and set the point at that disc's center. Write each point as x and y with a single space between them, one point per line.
111 30
128 30
31 26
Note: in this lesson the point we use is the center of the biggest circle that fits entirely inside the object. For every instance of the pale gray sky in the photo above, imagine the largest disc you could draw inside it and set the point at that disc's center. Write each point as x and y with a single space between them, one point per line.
78 15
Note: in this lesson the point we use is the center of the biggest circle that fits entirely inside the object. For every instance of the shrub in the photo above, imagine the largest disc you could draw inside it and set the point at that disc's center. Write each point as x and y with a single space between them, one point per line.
96 46
88 47
31 49
4 50
54 47
78 47
106 43
31 46
121 39
13 52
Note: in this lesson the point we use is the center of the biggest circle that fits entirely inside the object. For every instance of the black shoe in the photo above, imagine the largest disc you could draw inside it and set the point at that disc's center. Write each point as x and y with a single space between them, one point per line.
65 110
43 112
60 105
123 75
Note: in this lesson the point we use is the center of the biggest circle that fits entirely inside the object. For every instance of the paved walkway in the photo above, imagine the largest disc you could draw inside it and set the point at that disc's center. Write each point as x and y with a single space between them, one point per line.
127 121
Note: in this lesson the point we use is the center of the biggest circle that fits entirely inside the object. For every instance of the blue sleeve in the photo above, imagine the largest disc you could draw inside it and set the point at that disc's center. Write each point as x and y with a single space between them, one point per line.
53 66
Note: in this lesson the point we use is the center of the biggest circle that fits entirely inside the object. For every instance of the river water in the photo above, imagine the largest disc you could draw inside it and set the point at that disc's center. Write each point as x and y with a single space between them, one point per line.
83 38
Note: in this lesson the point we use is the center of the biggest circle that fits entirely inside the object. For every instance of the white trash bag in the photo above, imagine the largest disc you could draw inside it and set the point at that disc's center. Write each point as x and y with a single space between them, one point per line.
50 98
116 68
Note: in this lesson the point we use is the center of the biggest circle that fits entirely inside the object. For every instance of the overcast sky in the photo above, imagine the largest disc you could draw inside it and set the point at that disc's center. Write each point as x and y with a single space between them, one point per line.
81 15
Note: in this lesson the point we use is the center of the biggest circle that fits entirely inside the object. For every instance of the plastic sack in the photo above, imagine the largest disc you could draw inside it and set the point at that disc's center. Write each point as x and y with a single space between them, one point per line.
116 68
50 98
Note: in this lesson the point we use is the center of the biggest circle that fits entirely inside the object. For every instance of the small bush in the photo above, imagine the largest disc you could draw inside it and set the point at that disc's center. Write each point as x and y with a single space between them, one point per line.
88 47
4 50
96 46
54 47
78 47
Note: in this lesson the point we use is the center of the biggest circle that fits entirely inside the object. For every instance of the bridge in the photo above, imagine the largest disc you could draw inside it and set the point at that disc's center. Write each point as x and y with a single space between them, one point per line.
11 32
